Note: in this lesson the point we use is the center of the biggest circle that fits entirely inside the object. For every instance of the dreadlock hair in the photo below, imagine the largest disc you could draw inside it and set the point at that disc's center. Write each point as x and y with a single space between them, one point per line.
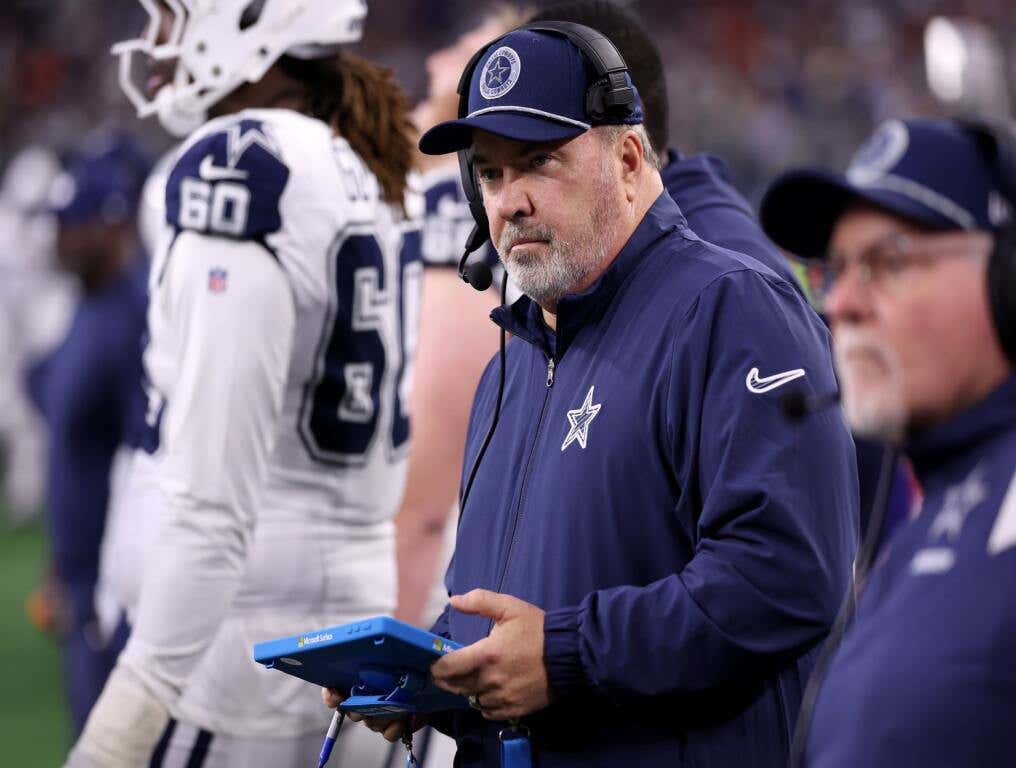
363 104
636 47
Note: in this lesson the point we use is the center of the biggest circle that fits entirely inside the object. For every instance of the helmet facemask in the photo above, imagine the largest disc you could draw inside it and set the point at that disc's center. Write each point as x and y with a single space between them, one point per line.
218 45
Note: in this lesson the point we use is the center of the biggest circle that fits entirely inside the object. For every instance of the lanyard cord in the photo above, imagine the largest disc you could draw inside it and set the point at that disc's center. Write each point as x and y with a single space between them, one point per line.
865 559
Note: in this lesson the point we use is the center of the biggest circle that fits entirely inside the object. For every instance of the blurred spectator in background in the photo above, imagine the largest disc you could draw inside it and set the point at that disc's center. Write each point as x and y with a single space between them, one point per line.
760 83
35 304
923 327
89 393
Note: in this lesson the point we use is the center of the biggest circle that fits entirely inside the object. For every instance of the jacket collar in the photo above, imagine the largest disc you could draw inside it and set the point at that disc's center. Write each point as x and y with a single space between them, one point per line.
576 310
995 414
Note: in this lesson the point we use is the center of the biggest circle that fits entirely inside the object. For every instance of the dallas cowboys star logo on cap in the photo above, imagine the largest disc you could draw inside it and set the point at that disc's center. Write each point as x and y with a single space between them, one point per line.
495 75
580 418
500 73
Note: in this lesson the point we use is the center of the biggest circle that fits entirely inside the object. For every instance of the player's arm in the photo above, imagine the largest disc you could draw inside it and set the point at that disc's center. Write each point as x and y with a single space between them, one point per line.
776 532
454 344
234 343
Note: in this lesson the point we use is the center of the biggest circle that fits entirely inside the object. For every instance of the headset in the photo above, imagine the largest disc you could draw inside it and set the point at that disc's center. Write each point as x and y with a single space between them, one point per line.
997 143
609 97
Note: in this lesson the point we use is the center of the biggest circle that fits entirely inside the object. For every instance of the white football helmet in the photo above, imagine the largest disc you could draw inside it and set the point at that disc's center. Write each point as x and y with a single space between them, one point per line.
217 45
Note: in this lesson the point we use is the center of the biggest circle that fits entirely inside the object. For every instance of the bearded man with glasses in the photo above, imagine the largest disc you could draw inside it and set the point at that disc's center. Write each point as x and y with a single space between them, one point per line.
915 241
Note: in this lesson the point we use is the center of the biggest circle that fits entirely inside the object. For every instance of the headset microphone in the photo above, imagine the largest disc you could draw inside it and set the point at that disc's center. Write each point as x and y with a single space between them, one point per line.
477 274
796 405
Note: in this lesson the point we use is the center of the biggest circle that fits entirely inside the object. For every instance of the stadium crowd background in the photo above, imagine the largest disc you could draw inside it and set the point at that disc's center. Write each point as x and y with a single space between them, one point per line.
764 84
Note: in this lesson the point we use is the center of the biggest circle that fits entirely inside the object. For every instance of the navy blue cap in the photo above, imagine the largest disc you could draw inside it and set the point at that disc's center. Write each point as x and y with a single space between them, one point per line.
528 86
930 172
101 184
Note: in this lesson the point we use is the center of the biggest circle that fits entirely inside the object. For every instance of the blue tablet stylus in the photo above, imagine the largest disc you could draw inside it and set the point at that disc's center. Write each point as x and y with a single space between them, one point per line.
333 732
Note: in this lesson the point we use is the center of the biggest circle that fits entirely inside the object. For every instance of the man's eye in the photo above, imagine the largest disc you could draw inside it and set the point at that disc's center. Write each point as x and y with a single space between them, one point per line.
486 174
539 161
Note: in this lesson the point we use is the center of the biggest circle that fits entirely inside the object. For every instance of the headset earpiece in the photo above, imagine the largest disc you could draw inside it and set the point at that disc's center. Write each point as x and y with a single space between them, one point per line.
997 141
611 95
1002 290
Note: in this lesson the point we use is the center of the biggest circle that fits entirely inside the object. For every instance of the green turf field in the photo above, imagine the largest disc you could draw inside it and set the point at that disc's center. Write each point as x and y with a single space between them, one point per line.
34 730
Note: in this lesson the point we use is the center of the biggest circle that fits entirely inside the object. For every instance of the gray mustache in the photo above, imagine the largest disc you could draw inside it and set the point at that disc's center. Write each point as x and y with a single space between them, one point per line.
513 232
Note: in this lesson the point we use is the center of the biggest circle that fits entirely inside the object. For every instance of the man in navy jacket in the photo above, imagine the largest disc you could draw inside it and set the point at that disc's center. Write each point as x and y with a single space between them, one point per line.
89 391
924 676
648 543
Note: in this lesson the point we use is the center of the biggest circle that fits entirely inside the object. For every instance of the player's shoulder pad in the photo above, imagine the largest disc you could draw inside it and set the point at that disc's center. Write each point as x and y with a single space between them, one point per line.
447 219
228 181
444 198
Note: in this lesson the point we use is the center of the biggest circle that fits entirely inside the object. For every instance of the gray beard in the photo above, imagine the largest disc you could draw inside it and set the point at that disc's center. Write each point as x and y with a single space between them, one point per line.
545 278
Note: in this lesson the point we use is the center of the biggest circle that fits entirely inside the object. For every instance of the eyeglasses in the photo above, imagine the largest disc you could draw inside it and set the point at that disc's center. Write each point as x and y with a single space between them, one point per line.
884 261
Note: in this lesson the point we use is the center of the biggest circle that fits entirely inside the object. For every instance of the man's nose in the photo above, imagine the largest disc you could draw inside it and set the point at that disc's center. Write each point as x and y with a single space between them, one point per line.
513 199
849 299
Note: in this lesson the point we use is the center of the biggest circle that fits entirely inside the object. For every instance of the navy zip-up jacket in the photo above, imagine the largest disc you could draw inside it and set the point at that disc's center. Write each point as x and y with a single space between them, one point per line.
926 675
90 395
690 546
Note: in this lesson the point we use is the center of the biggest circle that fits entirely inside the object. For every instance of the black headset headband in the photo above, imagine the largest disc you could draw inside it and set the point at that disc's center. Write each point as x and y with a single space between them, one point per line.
997 143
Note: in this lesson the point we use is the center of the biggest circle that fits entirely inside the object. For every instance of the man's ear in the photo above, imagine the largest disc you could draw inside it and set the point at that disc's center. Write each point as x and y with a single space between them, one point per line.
632 156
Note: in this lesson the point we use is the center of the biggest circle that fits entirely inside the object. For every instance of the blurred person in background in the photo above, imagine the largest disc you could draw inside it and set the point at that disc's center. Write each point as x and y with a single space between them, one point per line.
36 301
920 263
282 324
89 393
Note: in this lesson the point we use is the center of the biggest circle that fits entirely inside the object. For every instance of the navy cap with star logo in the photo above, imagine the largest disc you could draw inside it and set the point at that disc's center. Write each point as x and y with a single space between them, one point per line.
530 86
930 172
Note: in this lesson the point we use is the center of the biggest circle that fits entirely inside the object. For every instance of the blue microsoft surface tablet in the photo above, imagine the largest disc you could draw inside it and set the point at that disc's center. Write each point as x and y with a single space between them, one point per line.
383 664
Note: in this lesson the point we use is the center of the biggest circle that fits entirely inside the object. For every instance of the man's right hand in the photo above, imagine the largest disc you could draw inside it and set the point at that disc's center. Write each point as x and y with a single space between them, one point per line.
392 728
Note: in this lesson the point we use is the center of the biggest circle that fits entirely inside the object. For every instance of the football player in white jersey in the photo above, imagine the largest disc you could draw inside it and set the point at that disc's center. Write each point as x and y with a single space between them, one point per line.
282 326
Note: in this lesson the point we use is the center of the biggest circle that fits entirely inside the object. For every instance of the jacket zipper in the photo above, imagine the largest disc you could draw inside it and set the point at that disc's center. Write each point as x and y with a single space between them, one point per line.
525 476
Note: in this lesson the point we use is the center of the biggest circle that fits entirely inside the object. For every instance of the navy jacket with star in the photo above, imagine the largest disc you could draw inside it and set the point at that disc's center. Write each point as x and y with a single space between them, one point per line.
690 546
926 675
